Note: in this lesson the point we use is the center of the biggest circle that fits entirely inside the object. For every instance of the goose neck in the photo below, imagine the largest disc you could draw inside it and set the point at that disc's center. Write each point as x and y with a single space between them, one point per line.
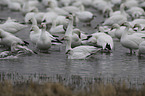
125 31
69 28
139 28
68 45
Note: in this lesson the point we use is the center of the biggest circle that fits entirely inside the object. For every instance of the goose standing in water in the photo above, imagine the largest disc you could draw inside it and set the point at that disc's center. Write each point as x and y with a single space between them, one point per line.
74 35
141 48
12 27
131 41
119 30
84 16
8 39
43 42
79 52
101 39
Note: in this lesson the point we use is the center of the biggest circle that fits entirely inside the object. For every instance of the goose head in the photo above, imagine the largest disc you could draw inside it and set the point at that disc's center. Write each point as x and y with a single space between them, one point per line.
143 29
70 17
115 26
78 32
34 28
126 24
138 26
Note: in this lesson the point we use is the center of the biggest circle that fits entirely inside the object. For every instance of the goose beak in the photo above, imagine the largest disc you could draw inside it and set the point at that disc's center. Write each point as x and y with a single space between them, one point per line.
31 29
67 17
111 29
62 39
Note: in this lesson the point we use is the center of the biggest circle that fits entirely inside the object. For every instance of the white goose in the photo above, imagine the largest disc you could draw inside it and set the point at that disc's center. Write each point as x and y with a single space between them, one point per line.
84 16
103 40
28 8
56 9
119 30
136 12
56 29
49 17
8 39
141 48
38 16
12 27
43 42
15 6
115 19
74 35
34 34
131 41
79 52
121 12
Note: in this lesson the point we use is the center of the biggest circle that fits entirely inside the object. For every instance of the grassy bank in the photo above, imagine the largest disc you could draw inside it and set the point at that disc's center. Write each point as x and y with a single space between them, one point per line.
58 89
15 84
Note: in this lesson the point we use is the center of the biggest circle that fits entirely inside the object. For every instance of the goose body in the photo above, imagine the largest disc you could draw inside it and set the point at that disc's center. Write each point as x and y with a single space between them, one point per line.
136 12
49 17
115 19
8 39
15 6
37 15
103 40
84 16
43 42
34 34
141 48
131 41
74 35
79 52
28 8
56 29
12 27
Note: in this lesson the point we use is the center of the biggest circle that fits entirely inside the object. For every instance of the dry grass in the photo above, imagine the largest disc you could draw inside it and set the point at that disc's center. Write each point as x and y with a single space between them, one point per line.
57 89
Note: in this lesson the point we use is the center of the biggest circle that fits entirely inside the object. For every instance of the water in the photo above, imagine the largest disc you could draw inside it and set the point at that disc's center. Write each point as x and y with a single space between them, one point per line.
118 64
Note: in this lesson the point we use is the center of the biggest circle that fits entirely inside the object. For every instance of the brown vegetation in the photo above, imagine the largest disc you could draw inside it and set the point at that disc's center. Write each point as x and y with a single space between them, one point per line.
58 89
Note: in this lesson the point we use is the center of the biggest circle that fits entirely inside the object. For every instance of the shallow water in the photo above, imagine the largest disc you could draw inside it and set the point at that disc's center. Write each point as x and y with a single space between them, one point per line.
118 64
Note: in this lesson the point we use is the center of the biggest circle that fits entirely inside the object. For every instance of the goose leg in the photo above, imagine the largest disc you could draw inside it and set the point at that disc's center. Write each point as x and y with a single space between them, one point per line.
130 51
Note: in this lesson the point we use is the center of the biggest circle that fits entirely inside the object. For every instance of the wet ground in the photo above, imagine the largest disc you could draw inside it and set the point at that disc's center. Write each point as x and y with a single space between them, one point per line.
118 64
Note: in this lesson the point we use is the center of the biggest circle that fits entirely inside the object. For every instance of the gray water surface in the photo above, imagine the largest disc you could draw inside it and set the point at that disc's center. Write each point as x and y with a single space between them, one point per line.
118 64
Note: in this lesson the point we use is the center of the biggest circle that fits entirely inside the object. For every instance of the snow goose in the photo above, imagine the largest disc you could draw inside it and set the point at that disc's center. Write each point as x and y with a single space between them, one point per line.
8 38
38 16
115 19
84 16
131 41
131 3
28 8
104 40
71 9
20 50
43 42
47 3
15 6
141 48
12 27
58 10
101 5
119 30
49 17
74 35
66 2
34 34
121 12
56 29
79 52
136 12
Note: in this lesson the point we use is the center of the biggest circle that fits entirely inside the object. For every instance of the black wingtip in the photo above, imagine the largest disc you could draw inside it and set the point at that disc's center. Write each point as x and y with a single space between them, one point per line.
26 43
